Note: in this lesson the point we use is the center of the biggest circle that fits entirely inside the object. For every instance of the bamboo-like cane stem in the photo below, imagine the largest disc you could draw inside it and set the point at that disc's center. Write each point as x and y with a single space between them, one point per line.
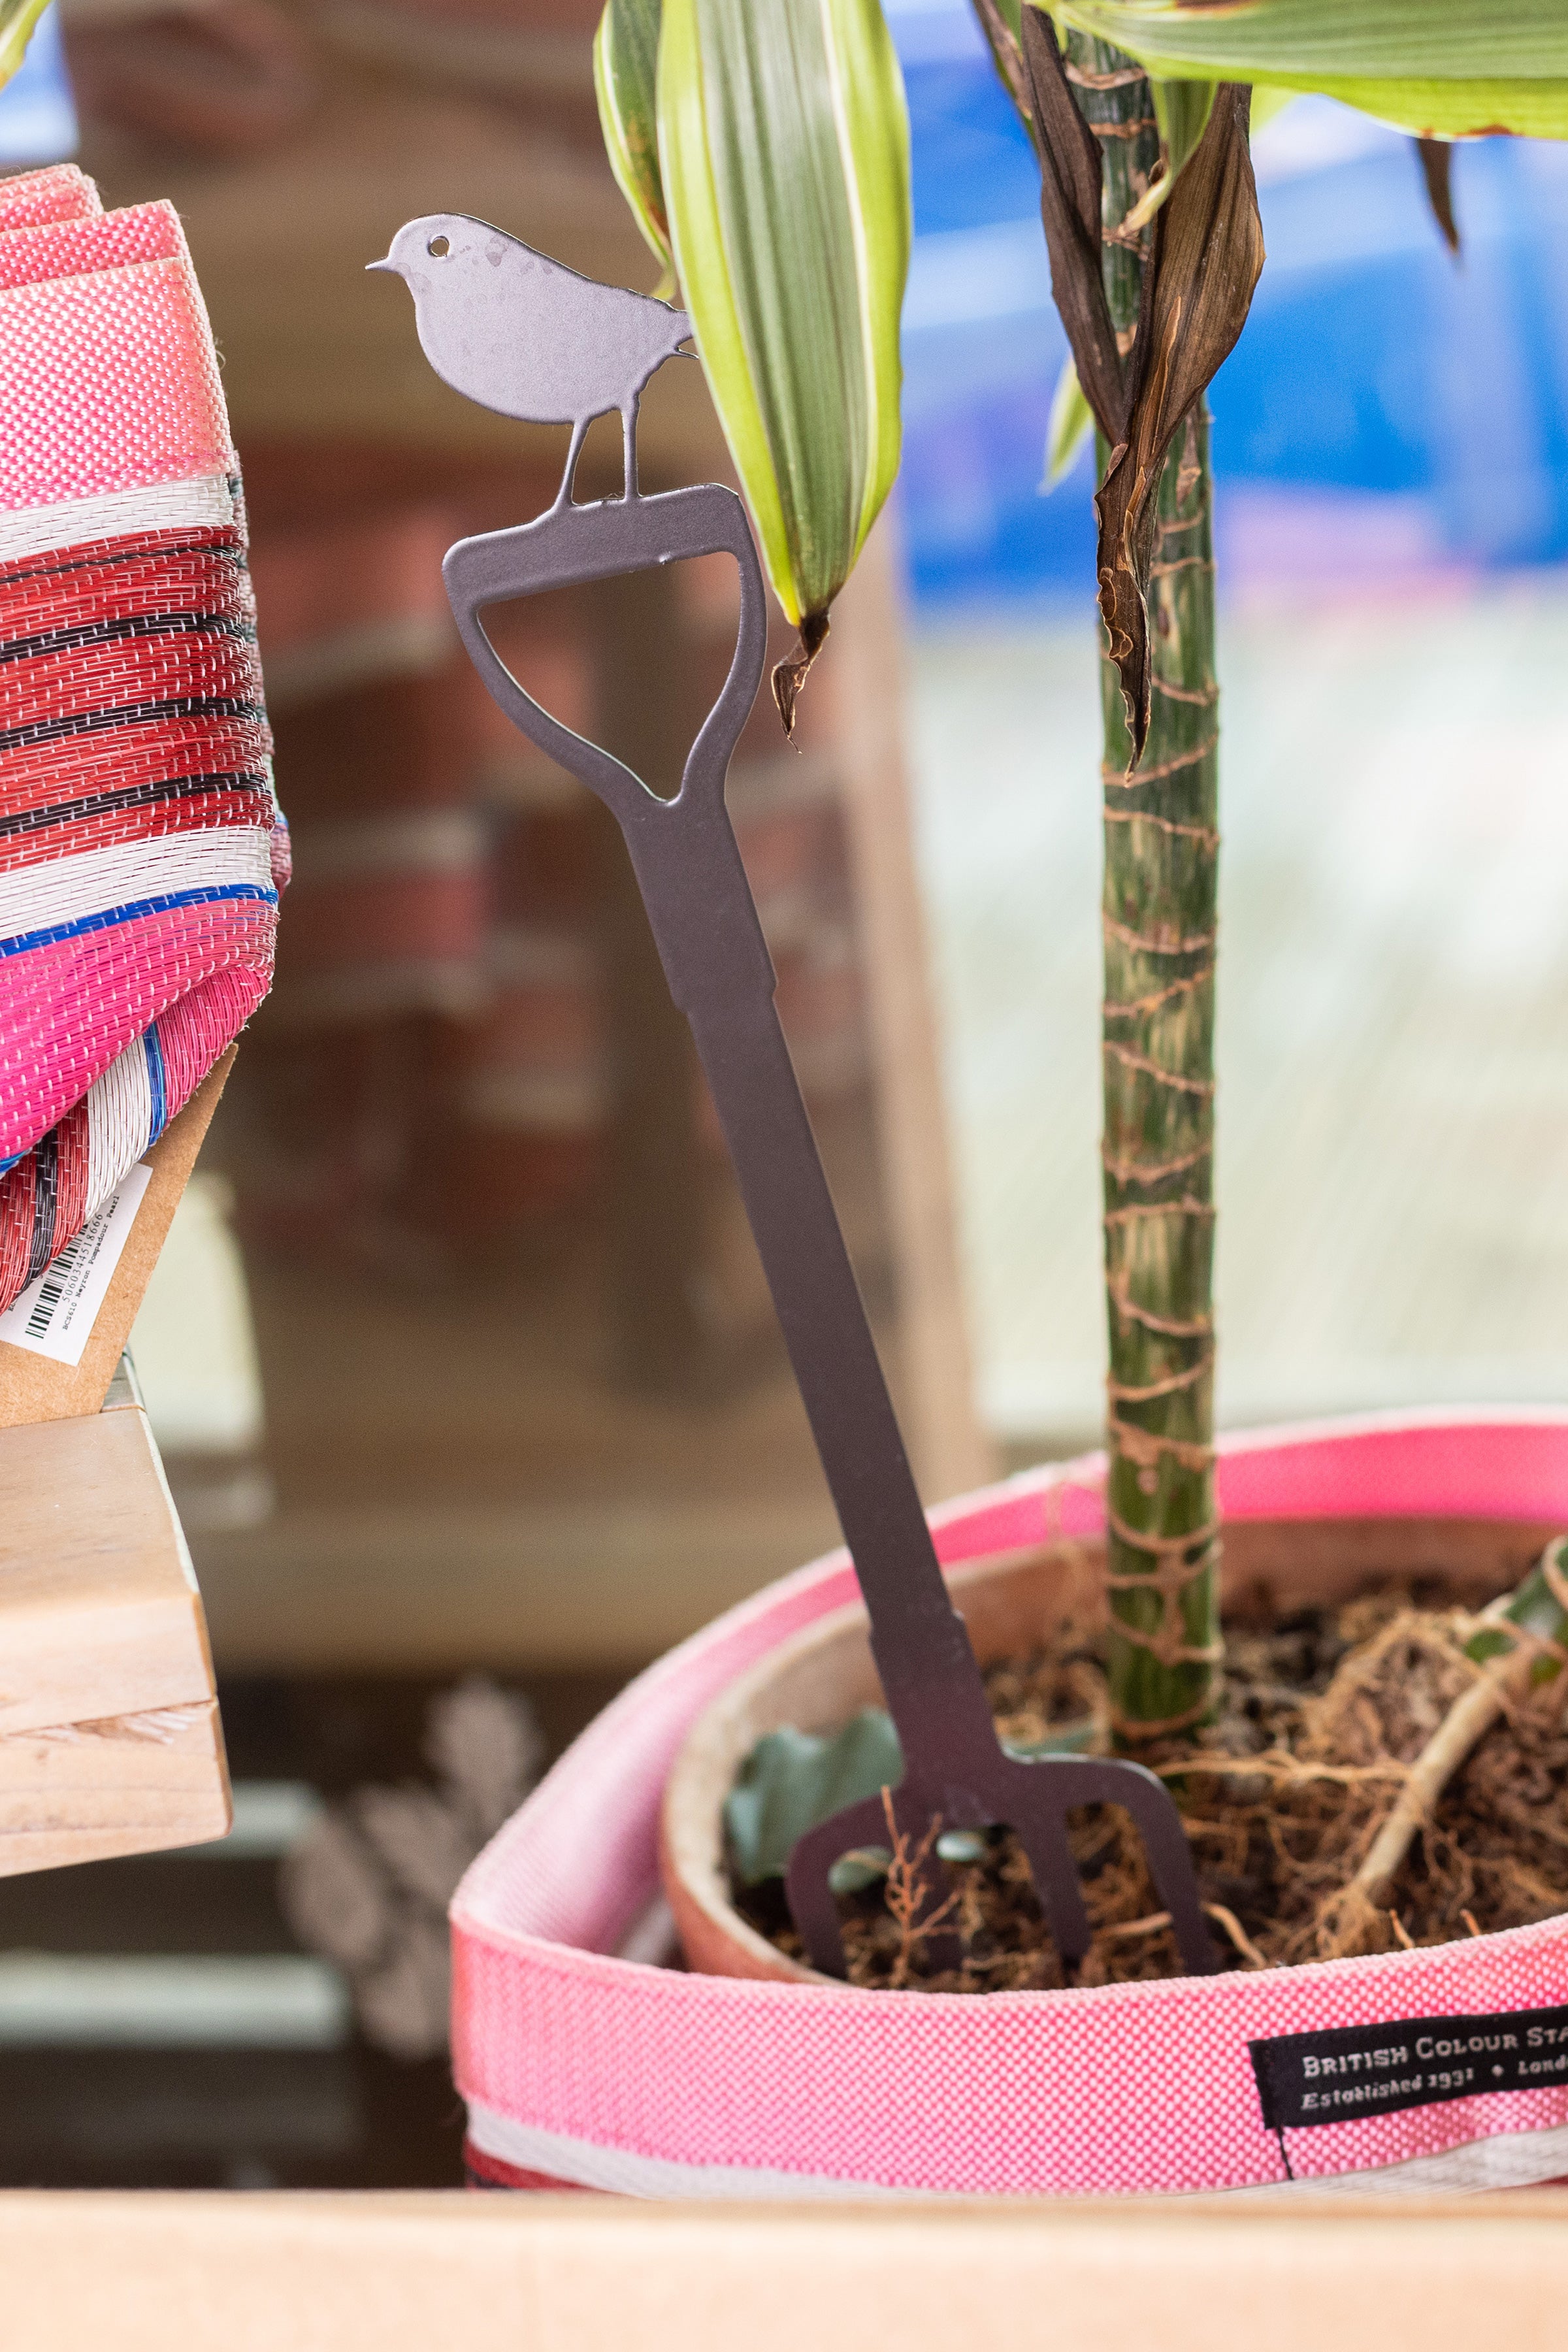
1162 843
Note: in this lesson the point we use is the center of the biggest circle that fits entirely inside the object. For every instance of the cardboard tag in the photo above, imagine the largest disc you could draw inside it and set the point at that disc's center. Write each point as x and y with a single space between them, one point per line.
1304 2079
54 1315
56 1382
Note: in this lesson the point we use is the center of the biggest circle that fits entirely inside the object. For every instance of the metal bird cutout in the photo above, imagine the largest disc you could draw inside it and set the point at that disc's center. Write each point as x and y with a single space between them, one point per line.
520 334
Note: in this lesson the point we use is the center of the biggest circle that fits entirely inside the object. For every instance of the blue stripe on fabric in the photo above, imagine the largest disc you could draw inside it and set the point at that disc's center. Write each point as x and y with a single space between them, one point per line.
155 1081
110 916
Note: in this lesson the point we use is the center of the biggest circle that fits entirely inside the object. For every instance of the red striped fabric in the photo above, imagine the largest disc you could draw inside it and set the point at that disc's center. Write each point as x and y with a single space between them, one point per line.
140 848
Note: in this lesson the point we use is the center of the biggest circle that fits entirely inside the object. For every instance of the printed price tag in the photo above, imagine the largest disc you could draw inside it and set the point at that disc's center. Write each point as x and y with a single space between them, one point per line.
54 1315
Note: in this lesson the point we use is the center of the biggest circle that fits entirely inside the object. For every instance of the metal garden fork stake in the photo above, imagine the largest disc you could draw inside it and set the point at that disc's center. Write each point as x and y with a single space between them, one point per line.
699 905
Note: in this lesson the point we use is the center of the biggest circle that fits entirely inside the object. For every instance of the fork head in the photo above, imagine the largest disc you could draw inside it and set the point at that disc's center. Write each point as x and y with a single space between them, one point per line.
1033 1797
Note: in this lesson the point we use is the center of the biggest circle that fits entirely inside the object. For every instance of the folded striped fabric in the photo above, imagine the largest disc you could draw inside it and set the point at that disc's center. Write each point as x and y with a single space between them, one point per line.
142 850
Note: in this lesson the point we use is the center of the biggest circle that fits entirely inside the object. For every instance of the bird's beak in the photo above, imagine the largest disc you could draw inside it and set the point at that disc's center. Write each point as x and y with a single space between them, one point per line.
387 262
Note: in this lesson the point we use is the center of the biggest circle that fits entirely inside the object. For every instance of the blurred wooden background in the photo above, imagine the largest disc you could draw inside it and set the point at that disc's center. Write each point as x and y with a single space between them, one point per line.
524 1399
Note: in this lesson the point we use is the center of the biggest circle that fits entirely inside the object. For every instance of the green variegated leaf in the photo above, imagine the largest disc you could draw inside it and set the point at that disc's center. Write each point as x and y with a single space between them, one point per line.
1182 109
1269 105
1449 110
17 20
626 60
1071 422
784 149
1268 40
1430 66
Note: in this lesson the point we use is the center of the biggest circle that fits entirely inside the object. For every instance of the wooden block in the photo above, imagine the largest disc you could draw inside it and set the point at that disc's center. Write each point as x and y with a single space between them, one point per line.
99 1614
134 1784
110 1739
35 1388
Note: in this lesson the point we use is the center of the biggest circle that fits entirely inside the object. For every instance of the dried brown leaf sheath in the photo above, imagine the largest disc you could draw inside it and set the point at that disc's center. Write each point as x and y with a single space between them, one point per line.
790 675
1204 261
1437 159
1007 51
1208 253
1070 184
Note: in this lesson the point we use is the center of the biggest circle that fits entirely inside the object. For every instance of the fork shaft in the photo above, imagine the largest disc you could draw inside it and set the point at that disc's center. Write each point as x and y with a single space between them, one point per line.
699 905
922 1650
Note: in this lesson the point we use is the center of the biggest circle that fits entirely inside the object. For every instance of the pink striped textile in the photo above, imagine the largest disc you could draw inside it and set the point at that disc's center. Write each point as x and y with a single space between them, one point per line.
142 850
61 192
594 2070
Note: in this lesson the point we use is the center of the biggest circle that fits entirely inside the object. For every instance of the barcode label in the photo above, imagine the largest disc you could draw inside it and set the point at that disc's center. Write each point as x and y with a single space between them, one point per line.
54 1315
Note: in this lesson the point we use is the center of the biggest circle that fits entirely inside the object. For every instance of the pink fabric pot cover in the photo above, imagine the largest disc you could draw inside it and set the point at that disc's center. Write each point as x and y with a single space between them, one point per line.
140 848
590 2069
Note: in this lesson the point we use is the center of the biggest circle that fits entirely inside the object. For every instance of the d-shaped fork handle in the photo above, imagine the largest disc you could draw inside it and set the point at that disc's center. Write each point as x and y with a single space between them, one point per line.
683 850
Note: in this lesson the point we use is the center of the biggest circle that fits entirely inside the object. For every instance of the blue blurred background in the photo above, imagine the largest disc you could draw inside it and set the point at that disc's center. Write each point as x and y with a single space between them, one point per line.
1383 406
37 120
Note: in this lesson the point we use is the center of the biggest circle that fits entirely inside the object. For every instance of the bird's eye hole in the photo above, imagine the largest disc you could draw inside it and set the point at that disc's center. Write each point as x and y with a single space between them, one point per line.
439 248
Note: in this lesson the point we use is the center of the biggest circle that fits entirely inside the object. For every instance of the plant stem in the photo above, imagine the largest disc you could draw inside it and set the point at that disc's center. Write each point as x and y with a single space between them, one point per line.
1162 846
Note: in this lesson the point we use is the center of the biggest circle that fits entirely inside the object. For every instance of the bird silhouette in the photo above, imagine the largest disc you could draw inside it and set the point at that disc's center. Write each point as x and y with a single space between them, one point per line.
522 334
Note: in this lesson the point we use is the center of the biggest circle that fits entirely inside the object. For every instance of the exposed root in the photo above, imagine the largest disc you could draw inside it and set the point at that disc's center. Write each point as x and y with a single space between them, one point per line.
1506 1655
907 1893
1237 1934
1344 1927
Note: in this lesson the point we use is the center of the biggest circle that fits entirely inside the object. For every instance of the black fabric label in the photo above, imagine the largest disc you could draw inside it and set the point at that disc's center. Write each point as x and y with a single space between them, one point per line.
1374 2070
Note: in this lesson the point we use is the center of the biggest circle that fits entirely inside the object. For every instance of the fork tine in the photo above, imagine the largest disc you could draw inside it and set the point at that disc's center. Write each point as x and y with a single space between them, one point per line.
811 1900
1042 1830
1159 1824
1034 1798
1043 1790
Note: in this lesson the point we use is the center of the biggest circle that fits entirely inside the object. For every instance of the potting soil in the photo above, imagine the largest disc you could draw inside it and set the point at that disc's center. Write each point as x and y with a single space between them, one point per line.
1282 1797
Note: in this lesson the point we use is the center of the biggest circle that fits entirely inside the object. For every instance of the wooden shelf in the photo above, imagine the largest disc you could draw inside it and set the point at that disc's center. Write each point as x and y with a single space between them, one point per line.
402 2271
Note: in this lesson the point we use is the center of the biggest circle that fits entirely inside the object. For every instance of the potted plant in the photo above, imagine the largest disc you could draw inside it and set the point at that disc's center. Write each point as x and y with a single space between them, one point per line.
1371 2028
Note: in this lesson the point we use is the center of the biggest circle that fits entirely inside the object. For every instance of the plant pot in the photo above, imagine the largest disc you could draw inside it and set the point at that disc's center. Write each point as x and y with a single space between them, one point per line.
756 2079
